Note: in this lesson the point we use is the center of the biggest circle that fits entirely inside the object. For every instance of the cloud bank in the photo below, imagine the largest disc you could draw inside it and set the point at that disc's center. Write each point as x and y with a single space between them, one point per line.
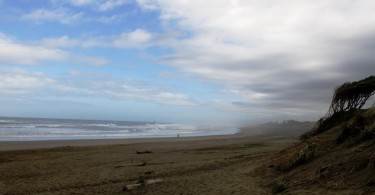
16 81
279 56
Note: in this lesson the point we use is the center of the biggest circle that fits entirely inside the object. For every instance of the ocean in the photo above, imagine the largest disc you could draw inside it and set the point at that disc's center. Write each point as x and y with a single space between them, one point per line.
33 129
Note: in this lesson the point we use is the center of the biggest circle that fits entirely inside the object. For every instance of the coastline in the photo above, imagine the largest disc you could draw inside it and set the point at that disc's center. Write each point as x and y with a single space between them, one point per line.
15 129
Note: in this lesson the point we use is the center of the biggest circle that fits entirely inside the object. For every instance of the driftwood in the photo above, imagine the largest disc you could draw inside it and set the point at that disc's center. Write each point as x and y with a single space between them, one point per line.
148 172
141 183
143 151
132 164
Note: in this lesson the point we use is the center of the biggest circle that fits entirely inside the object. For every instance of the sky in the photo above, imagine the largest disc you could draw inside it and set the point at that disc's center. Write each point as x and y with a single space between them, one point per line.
191 61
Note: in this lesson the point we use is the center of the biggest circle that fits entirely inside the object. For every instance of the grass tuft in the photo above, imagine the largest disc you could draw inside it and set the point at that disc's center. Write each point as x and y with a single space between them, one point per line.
305 155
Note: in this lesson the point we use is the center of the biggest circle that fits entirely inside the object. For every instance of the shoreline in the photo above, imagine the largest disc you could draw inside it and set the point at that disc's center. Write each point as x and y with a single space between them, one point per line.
47 144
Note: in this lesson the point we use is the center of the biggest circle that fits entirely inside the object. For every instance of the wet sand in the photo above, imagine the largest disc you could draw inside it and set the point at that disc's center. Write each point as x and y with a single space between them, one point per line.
197 165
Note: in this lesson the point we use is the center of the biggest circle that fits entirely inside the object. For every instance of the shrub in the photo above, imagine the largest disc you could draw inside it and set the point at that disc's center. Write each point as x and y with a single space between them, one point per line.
305 155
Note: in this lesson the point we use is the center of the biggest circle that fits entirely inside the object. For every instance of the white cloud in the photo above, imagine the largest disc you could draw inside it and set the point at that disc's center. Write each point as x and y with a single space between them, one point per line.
264 46
136 38
14 53
174 99
97 5
110 19
21 82
67 42
18 82
89 60
61 15
111 4
62 42
81 2
154 95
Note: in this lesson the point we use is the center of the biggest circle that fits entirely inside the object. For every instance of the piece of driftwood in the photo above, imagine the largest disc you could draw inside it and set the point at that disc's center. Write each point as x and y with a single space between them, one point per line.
132 164
141 183
143 151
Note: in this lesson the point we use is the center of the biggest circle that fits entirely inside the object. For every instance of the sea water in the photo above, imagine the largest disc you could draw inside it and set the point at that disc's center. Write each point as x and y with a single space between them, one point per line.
30 129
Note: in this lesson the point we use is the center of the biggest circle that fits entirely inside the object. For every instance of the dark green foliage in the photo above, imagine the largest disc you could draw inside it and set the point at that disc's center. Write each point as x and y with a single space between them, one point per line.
352 95
359 128
347 100
369 132
326 123
348 132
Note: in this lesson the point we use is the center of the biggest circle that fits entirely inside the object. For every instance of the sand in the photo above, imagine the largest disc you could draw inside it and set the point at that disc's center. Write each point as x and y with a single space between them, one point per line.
198 165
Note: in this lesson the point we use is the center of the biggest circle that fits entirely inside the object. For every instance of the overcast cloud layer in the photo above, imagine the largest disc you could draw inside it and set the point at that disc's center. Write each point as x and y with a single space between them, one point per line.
277 55
245 59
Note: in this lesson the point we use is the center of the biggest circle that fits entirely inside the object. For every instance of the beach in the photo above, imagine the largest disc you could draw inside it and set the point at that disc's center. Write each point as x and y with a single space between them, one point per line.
194 165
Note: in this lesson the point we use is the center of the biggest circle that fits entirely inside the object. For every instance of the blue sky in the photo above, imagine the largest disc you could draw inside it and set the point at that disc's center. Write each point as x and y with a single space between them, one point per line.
227 61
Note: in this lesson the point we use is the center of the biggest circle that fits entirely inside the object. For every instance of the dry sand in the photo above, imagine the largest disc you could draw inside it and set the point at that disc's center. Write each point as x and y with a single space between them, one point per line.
200 165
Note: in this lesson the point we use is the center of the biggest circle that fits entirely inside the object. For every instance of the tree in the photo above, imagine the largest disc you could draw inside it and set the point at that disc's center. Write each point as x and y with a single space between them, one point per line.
348 97
352 95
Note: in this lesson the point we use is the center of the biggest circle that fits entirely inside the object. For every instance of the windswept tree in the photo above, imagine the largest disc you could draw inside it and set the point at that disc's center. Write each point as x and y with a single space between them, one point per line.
352 95
348 97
